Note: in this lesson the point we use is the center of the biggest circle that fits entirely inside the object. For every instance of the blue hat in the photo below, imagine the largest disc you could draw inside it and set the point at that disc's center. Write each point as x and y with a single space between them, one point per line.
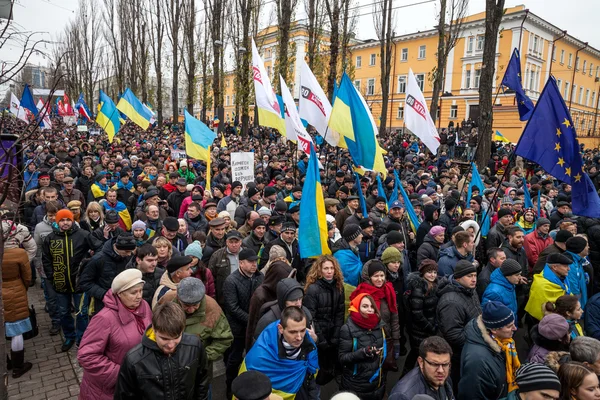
496 315
396 204
194 249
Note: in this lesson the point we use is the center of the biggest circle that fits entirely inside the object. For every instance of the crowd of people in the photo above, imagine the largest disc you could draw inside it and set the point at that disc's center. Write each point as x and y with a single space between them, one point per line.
155 269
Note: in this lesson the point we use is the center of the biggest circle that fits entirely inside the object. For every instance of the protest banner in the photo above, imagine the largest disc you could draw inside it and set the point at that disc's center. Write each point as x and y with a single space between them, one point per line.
242 167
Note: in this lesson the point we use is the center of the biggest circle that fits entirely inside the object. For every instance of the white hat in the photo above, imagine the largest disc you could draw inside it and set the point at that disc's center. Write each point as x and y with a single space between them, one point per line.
183 163
126 280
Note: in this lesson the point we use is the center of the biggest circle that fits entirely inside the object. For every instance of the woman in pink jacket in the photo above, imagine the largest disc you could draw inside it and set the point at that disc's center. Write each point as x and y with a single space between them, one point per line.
115 330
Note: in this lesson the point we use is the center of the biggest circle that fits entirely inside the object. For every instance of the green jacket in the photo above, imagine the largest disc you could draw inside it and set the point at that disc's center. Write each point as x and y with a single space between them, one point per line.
187 175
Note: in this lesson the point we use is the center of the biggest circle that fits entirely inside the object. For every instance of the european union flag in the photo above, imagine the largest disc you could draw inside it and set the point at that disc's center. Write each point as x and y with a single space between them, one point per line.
549 139
512 80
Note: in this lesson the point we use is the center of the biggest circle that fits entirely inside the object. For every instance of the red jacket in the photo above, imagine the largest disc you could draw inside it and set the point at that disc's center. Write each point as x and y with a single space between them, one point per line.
534 245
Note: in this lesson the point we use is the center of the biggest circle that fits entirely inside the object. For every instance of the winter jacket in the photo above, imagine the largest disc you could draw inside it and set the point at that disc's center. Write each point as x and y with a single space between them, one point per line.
427 223
40 232
518 255
147 373
220 267
577 278
449 222
209 282
591 226
243 209
448 259
292 254
341 217
592 317
501 290
111 334
17 235
62 255
541 261
534 244
482 365
456 306
253 242
542 346
429 250
228 204
349 261
175 199
16 276
238 290
414 383
151 280
361 374
200 224
326 304
483 279
422 303
496 236
98 274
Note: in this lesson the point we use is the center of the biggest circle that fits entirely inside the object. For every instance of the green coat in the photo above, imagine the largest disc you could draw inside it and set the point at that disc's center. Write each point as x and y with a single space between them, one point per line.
187 175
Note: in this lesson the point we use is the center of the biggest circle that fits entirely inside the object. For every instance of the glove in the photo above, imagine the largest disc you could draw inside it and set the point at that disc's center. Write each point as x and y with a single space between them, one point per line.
369 351
587 277
396 351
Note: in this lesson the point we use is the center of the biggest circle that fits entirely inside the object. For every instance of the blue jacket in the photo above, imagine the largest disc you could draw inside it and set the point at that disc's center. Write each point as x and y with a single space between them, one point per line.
577 278
349 262
31 179
448 259
500 289
592 317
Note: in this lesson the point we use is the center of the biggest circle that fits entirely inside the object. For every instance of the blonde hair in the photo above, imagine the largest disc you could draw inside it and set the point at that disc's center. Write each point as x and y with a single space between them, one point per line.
93 206
163 241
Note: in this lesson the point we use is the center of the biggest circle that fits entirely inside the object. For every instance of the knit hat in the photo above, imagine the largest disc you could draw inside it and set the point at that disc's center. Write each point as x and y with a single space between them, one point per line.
139 224
450 203
533 376
252 192
553 327
288 227
394 237
171 224
436 230
391 254
351 232
478 199
374 267
543 221
463 268
366 223
504 212
236 184
125 241
380 199
269 191
427 265
258 222
64 213
251 385
126 280
264 211
506 200
194 249
496 315
191 291
576 244
562 236
510 267
177 262
111 217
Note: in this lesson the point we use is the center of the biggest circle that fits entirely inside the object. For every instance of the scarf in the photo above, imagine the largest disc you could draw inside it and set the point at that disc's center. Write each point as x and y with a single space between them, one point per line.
291 352
139 321
550 276
386 292
129 185
102 187
512 360
369 322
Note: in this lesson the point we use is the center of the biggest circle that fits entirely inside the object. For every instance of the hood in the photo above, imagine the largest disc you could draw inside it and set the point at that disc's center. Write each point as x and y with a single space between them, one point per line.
278 271
477 334
498 278
555 359
364 276
428 210
284 288
432 241
471 224
415 280
111 300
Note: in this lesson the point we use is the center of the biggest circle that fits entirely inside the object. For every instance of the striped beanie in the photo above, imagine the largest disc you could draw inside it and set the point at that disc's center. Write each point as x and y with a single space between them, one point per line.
531 377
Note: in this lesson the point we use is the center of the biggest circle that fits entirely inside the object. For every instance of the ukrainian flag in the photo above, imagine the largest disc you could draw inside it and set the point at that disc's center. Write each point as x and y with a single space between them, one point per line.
313 224
500 138
351 117
410 210
108 116
198 139
287 376
381 191
133 108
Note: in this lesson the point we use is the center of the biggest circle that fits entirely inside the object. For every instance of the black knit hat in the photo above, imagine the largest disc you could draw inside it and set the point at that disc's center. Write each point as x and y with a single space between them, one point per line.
576 244
365 223
562 236
394 237
504 212
351 232
533 376
111 217
251 385
463 268
125 241
380 199
510 267
374 267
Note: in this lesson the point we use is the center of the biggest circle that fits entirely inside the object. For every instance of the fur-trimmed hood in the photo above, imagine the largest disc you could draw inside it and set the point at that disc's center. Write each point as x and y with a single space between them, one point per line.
555 359
471 224
477 333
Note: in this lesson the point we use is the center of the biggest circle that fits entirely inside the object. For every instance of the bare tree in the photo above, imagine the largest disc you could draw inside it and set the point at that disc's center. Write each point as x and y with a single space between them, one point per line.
448 33
338 18
142 45
88 25
285 10
29 43
205 99
315 12
382 18
157 28
216 12
494 10
174 10
189 53
116 41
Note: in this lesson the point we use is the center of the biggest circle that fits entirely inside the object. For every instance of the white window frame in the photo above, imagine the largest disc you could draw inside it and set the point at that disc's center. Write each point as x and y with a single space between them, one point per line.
570 64
358 61
584 66
453 111
468 79
357 84
422 52
404 54
402 80
400 114
566 93
371 87
562 57
420 81
470 44
372 59
480 42
477 78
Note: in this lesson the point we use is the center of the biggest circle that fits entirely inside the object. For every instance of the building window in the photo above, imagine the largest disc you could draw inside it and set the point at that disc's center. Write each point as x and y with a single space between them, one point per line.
559 84
402 84
400 112
532 79
573 93
470 43
357 84
591 68
422 50
420 80
371 87
536 42
226 100
480 40
453 112
570 60
597 71
593 99
373 59
580 100
566 94
577 64
468 79
553 53
404 56
477 77
584 66
358 61
587 97
562 57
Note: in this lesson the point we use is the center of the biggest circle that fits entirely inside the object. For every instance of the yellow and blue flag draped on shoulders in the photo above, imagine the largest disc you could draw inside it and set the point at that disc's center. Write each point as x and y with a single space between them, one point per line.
313 224
287 376
410 210
351 118
549 139
108 116
121 209
198 138
133 108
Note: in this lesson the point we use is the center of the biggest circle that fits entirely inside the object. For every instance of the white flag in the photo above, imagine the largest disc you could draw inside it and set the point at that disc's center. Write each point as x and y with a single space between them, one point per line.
46 124
269 112
292 119
314 105
16 109
416 115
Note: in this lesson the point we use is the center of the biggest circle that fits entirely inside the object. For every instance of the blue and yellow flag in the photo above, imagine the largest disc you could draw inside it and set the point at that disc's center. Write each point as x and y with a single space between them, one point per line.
512 80
381 191
108 116
549 139
287 376
361 196
198 138
133 108
500 138
528 202
351 118
313 224
475 182
410 210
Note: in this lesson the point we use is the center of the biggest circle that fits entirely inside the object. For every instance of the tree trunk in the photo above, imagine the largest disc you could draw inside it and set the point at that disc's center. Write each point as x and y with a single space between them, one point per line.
285 9
438 76
333 10
385 60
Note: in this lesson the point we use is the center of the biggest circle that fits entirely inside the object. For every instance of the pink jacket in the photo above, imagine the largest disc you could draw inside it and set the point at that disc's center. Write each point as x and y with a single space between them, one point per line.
107 339
534 245
184 205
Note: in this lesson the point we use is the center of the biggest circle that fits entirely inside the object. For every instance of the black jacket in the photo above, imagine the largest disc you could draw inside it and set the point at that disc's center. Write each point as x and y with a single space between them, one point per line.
357 367
483 279
482 365
422 305
98 274
414 383
496 236
243 209
147 373
430 249
151 281
237 291
326 305
293 257
427 223
175 199
253 242
449 222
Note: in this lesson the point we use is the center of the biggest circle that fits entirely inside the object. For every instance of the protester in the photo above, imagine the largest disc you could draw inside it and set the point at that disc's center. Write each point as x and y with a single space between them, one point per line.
570 308
578 382
551 334
537 241
145 260
177 270
502 286
496 257
535 381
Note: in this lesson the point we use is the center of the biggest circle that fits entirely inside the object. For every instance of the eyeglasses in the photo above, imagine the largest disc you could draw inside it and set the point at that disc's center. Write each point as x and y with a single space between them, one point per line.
436 365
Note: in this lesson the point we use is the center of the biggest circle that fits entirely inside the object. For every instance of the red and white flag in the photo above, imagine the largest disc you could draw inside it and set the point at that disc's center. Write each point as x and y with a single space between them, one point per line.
416 115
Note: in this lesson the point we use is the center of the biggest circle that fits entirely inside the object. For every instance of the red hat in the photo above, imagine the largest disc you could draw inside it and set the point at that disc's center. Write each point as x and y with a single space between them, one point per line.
64 213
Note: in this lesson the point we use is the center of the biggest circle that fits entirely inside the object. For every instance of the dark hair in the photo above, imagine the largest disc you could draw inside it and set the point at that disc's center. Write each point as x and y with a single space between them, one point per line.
174 175
169 319
146 250
52 207
434 344
199 236
512 230
461 238
196 205
493 252
562 305
294 313
111 190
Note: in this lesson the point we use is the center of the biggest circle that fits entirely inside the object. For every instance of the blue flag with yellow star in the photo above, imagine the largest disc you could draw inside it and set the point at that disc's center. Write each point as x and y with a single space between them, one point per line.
512 80
549 139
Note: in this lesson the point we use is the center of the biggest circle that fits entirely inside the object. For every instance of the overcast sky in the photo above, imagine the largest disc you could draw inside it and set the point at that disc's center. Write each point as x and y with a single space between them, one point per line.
52 15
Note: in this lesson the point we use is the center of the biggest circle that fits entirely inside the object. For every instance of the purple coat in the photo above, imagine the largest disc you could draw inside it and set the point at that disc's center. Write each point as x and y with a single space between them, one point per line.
107 339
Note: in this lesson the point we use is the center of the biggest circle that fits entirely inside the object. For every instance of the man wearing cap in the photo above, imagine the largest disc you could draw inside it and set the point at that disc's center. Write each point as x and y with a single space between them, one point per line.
352 206
170 230
256 239
69 193
337 184
274 228
178 268
269 198
62 253
497 235
578 249
489 359
463 249
151 198
558 247
237 291
253 385
562 208
346 252
331 206
378 211
176 197
230 203
225 261
97 275
535 381
431 215
548 285
205 319
537 241
288 241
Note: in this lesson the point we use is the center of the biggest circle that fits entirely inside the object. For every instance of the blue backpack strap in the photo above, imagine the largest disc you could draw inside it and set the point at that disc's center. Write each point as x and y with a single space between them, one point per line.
354 348
378 374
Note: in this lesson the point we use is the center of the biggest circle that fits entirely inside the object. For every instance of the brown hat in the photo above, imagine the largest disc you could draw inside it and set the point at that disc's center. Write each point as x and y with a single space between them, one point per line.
68 179
427 265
